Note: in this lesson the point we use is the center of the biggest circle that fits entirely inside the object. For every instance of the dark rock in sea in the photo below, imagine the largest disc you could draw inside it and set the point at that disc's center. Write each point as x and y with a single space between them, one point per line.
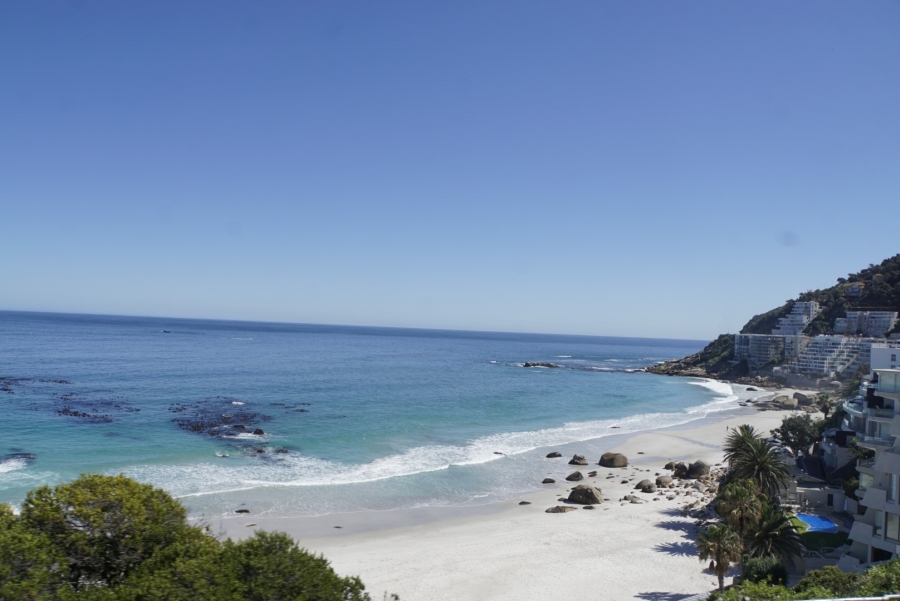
554 455
498 453
578 460
281 450
540 364
218 416
258 432
26 457
613 460
548 481
524 502
242 511
575 477
585 495
560 509
166 332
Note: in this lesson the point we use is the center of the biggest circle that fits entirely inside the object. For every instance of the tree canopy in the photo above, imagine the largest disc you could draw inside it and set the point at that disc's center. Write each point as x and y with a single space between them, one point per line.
109 538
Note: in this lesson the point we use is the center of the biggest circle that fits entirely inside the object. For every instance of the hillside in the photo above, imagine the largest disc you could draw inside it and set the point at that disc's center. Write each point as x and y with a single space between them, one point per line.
877 287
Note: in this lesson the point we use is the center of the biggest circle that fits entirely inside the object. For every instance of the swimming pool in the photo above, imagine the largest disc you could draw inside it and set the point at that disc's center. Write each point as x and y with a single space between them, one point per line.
817 523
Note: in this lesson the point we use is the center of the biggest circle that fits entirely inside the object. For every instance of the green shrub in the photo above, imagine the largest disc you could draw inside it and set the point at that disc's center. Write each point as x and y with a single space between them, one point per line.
764 569
102 538
829 578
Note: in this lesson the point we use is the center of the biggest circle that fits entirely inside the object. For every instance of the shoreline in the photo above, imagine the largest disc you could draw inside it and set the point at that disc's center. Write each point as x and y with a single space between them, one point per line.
507 550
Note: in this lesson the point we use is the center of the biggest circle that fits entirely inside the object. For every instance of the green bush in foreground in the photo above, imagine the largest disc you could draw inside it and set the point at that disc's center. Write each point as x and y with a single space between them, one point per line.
764 569
102 538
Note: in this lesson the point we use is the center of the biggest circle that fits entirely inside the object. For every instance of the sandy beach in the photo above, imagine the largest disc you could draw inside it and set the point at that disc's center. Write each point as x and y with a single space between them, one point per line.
512 551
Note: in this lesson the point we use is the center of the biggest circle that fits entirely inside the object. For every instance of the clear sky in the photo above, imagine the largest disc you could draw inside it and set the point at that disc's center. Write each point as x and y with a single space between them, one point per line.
662 169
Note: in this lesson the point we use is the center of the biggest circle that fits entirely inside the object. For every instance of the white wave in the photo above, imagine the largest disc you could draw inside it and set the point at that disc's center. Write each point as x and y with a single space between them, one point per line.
294 470
564 356
720 388
236 403
13 465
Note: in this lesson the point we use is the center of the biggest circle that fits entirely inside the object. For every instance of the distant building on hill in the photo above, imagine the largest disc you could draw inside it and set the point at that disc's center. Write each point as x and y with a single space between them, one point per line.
868 323
797 320
855 290
764 349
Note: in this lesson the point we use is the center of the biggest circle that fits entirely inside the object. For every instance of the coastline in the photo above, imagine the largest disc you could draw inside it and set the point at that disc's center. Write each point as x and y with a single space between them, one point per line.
507 550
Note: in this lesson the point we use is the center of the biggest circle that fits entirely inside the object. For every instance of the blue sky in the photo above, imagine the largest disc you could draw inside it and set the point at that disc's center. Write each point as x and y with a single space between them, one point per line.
658 169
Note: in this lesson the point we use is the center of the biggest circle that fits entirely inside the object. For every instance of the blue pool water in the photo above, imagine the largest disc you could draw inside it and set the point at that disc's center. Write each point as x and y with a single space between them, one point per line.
319 419
817 523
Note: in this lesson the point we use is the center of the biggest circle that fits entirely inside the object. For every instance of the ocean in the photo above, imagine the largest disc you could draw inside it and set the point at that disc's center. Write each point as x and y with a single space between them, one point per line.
316 419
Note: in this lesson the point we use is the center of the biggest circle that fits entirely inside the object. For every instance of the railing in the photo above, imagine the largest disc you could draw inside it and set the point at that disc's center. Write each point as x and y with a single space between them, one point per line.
886 413
877 440
865 462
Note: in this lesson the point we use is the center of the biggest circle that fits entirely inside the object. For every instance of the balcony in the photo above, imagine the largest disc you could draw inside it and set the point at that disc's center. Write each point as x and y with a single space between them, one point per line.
861 533
865 463
855 409
875 441
884 415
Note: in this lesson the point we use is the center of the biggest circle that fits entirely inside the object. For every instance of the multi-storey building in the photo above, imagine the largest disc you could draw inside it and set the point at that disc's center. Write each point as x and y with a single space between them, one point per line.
875 535
827 355
868 323
758 349
797 320
885 356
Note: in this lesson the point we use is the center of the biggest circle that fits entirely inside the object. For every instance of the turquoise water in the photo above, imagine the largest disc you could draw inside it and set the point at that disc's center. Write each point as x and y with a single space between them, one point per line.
347 418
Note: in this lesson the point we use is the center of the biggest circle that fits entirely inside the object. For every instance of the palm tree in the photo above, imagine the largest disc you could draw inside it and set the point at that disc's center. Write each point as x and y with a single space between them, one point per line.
739 504
759 461
737 440
774 534
722 545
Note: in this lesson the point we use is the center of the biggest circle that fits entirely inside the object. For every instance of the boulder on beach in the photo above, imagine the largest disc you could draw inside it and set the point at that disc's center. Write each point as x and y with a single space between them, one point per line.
804 400
680 470
664 481
578 460
752 389
697 469
554 455
585 495
548 481
575 477
649 488
592 474
560 509
642 484
789 403
613 460
669 466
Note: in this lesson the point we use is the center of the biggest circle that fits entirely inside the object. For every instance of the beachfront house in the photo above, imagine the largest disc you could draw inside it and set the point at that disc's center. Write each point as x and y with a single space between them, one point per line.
875 535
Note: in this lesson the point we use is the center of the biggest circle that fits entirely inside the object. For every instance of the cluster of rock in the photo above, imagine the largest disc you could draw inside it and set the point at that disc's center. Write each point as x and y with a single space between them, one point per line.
539 364
783 402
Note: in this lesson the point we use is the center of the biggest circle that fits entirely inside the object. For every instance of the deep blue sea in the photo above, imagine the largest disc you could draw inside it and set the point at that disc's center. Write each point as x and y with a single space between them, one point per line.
312 419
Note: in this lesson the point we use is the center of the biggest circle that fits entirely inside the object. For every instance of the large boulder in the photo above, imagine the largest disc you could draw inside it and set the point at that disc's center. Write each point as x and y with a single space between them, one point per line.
664 481
697 469
554 455
548 481
780 399
669 466
585 495
789 403
642 484
578 460
560 509
613 460
680 470
575 477
803 400
650 488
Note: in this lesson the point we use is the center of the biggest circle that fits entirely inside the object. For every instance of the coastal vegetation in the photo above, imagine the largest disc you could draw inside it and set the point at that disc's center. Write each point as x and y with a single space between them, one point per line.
758 534
877 287
109 538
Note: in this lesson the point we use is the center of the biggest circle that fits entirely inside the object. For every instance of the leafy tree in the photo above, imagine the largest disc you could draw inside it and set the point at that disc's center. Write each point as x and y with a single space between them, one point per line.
774 534
758 461
722 546
831 579
104 526
102 538
881 579
850 486
29 566
738 440
764 569
797 432
739 504
761 591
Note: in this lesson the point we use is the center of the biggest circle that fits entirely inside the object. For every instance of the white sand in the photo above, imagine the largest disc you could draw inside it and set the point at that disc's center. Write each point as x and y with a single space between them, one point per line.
505 551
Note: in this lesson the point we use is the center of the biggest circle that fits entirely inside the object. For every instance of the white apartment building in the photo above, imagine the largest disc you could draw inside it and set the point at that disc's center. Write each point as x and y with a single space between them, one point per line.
758 349
884 356
797 320
875 535
868 323
828 355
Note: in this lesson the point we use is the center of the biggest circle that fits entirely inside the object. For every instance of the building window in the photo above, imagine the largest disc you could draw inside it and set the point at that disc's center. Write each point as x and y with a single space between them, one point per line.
892 526
894 488
878 528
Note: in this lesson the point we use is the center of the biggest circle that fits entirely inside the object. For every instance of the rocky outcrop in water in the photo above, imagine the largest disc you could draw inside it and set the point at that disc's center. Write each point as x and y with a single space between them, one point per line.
540 364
